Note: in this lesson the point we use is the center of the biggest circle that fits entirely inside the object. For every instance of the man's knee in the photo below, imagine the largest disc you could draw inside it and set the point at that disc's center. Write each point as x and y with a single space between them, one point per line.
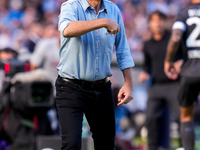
151 119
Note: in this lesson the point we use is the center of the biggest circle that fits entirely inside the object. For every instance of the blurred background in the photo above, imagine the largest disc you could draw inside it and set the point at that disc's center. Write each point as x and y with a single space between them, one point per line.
29 47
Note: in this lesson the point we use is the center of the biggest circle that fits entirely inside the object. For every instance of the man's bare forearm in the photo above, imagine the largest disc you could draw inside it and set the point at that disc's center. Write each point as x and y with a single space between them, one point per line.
171 50
173 44
128 77
125 94
78 28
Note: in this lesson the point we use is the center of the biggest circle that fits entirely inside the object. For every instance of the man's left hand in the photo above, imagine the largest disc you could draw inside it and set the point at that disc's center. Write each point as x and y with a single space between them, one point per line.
125 94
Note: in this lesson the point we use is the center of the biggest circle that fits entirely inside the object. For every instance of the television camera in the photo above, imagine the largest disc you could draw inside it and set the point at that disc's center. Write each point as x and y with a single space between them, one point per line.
24 102
24 96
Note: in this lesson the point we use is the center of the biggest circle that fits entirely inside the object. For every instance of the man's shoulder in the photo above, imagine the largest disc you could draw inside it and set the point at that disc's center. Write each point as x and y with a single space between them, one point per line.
187 12
147 45
184 11
148 42
192 6
108 2
69 2
111 4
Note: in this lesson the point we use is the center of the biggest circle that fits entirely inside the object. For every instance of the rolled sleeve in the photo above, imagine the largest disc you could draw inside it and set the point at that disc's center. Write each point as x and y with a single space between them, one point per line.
67 15
124 58
124 61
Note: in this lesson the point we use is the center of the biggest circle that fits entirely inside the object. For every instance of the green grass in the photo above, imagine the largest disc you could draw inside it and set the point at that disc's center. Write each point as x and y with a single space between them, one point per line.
142 142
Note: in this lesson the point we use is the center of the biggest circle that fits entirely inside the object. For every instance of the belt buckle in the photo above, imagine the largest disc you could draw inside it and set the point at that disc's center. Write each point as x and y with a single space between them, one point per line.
65 79
94 85
98 84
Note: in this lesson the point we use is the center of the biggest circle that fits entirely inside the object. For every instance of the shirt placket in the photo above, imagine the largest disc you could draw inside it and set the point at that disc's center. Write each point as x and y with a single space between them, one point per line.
97 49
97 43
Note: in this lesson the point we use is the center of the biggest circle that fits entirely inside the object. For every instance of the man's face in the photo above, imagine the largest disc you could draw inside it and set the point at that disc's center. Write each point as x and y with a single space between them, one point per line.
5 55
157 24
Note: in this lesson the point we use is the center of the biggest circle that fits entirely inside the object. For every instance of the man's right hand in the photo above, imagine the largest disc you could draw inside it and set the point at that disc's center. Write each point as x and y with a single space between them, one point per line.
78 28
112 26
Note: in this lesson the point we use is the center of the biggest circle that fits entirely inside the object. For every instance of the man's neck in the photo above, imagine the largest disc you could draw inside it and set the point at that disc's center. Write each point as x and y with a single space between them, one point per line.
158 36
195 1
96 4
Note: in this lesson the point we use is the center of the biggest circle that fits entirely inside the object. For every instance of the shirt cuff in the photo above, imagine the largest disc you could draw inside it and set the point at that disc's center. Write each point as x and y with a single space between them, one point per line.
63 25
179 25
125 61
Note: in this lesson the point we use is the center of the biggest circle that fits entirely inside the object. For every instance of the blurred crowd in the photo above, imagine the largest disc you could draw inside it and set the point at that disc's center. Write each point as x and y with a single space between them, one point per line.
135 14
29 27
23 20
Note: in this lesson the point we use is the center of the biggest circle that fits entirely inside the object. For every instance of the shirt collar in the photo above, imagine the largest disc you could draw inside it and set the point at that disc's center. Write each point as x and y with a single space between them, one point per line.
86 5
103 7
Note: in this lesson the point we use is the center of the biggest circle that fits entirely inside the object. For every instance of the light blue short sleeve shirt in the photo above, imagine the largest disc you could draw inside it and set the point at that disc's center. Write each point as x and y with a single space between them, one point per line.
89 56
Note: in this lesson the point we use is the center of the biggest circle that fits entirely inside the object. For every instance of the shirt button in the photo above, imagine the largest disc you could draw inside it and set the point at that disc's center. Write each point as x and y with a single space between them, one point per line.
96 70
97 30
97 44
97 58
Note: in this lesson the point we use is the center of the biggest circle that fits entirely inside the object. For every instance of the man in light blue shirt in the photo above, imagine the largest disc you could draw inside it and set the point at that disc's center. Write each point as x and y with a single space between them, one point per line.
90 29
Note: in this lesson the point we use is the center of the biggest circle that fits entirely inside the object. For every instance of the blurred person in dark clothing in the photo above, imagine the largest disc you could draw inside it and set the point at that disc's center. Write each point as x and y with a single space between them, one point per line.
163 91
186 32
34 36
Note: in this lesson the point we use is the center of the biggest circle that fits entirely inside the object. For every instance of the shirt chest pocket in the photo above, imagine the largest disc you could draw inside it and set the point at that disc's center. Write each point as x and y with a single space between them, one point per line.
109 42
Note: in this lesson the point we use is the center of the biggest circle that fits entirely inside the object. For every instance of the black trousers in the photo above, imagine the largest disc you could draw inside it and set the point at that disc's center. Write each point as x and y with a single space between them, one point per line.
72 102
160 96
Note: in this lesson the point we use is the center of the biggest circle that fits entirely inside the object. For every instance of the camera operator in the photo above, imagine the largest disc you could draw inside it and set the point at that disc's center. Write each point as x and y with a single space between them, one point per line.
19 120
11 129
5 54
46 57
34 35
8 53
46 52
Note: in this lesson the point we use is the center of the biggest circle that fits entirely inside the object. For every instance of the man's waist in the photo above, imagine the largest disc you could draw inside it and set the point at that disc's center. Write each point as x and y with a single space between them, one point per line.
88 84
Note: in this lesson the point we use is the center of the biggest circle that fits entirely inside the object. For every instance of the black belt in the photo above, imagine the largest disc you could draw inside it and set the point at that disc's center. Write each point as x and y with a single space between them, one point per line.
88 84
